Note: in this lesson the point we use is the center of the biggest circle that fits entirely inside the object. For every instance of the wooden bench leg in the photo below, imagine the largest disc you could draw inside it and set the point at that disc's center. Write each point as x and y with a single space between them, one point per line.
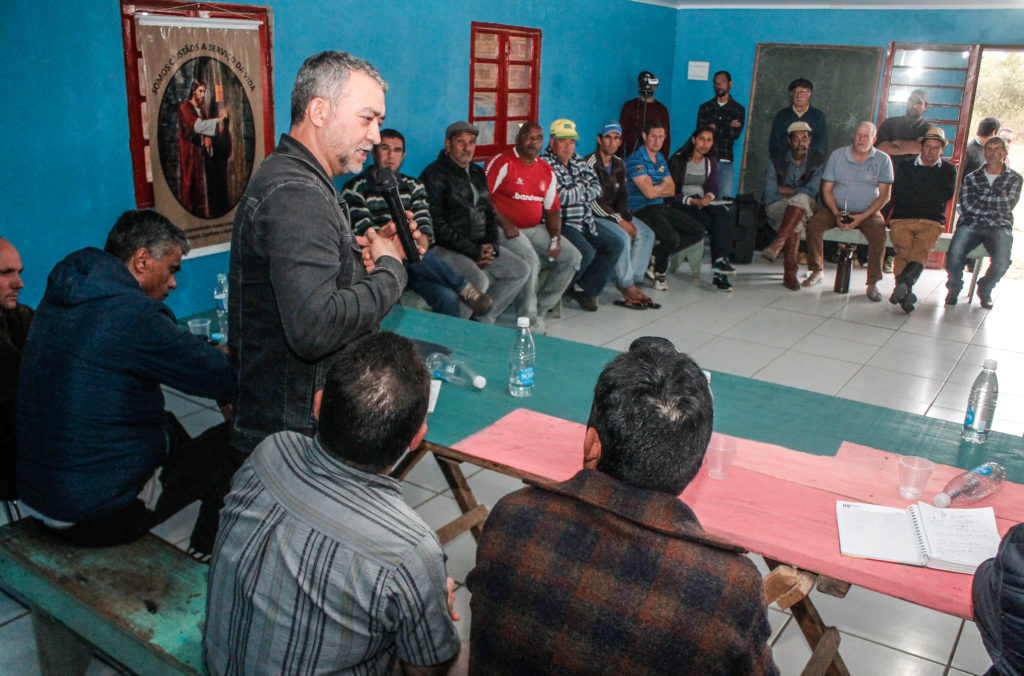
463 496
61 651
815 633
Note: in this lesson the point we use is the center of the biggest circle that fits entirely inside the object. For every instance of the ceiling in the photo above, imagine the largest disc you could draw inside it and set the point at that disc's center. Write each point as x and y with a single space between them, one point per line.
842 4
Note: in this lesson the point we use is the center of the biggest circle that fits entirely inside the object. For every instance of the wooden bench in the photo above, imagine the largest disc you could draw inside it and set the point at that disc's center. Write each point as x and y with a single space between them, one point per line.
850 237
143 604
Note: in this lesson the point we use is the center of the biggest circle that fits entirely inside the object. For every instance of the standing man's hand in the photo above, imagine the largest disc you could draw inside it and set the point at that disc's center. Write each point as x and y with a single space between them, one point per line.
375 245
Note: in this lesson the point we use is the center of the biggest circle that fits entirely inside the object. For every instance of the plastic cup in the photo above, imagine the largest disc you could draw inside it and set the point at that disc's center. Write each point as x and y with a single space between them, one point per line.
199 327
719 456
914 473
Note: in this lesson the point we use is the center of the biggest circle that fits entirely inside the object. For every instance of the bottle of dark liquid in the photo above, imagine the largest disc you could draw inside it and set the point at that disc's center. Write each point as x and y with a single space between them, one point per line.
843 269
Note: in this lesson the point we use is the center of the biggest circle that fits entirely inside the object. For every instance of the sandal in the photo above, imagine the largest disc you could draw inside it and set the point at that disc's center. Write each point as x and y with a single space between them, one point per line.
651 304
631 304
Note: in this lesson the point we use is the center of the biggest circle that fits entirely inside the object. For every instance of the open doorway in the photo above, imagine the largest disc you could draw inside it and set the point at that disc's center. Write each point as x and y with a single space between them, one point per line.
1000 94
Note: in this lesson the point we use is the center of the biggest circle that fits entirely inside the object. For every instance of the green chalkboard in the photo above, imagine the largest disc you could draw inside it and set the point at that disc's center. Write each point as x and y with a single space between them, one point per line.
845 87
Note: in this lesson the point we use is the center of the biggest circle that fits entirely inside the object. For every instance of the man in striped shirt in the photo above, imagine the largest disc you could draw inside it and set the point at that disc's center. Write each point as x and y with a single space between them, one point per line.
432 278
319 565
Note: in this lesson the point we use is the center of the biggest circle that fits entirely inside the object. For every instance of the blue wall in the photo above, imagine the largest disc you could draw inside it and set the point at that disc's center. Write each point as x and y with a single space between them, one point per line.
728 39
67 169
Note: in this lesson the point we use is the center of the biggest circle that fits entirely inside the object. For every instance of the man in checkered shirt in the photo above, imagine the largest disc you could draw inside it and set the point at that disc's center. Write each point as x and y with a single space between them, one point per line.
610 572
987 199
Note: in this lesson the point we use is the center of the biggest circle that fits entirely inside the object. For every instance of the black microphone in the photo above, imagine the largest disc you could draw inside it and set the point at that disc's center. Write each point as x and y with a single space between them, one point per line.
388 185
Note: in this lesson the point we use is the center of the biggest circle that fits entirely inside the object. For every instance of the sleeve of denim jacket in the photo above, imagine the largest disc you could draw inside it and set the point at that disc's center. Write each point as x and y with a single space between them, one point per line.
324 299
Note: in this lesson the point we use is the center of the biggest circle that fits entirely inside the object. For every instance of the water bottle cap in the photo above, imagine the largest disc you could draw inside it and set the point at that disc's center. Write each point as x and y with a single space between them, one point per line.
990 364
941 500
523 322
479 382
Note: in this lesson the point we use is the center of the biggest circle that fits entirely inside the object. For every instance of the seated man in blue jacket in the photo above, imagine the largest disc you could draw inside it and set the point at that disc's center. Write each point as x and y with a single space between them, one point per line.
99 460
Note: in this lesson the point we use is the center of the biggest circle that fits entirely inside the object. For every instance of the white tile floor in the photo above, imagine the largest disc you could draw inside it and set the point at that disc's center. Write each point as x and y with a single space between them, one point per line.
814 339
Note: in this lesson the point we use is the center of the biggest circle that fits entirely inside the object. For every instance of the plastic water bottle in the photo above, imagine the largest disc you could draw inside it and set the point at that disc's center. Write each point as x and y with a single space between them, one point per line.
521 360
454 371
972 486
220 297
981 404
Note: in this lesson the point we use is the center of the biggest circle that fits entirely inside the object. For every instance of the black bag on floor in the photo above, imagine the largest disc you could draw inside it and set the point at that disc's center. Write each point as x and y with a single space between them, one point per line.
745 214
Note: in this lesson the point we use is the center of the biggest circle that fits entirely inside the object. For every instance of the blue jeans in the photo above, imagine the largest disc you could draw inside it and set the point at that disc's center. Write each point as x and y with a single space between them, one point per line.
636 253
439 285
725 172
997 241
599 253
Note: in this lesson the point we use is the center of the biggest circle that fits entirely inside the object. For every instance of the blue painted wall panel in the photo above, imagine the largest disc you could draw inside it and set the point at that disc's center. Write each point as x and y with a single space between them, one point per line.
728 40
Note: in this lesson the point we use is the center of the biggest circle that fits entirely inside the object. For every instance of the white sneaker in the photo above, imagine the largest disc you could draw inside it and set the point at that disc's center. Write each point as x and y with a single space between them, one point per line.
660 283
538 325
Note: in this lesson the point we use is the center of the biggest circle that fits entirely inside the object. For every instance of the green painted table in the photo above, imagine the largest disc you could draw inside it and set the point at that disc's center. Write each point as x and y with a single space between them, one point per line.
744 407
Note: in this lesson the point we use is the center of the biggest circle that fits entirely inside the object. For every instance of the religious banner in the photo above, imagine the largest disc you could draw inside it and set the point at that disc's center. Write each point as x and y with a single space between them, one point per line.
203 119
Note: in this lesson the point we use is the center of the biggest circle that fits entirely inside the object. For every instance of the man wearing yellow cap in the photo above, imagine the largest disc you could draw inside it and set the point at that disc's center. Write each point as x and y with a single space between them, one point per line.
922 187
578 187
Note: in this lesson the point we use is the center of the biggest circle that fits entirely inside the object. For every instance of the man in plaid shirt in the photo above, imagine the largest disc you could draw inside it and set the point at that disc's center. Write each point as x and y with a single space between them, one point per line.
578 187
610 572
987 199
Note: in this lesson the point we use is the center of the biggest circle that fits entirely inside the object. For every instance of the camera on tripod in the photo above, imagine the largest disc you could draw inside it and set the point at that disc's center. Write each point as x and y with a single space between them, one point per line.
647 84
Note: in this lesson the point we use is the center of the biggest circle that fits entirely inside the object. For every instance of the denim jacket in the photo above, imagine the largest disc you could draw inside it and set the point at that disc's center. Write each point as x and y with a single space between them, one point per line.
298 292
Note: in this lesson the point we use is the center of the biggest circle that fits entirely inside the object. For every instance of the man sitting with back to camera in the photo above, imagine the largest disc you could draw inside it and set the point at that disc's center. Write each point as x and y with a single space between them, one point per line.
100 461
610 572
431 278
320 565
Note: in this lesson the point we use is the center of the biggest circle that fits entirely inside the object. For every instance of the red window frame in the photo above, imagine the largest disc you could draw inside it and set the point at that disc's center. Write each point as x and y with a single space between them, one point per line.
133 62
502 63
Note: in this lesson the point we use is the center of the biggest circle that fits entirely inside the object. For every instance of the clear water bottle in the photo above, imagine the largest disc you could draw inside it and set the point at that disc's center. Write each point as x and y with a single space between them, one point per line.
521 360
972 486
220 297
981 404
454 371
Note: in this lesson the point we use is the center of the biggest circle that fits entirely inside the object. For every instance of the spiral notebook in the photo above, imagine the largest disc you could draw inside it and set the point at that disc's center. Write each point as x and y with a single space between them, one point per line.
953 539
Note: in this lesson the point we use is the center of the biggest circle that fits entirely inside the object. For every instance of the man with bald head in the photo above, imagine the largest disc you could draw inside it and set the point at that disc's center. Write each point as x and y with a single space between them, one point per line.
14 322
854 186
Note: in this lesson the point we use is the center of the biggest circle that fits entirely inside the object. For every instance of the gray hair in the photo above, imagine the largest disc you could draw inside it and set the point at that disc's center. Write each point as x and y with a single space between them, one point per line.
324 75
145 229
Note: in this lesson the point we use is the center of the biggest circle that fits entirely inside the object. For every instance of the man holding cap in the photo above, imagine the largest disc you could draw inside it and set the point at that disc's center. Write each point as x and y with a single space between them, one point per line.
611 210
636 113
791 185
466 224
525 191
578 187
801 109
923 186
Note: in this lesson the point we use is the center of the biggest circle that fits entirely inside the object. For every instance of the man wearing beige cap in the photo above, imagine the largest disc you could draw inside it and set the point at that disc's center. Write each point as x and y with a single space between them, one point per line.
923 186
578 187
791 185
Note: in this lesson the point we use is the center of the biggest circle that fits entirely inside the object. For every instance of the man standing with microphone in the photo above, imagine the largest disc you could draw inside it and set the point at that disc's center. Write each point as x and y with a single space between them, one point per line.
301 285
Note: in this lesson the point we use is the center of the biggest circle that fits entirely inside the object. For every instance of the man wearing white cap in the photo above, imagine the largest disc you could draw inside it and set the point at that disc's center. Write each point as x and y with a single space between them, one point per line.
923 186
791 185
611 210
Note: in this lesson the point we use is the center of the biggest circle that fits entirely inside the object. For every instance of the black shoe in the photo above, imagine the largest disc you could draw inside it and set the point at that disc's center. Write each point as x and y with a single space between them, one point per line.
985 299
588 303
907 302
899 293
951 297
721 283
722 267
